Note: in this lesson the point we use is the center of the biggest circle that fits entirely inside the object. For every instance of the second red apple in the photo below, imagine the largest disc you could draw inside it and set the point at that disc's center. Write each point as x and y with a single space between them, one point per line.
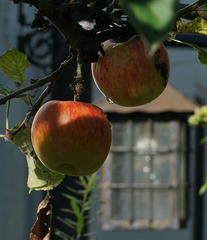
127 76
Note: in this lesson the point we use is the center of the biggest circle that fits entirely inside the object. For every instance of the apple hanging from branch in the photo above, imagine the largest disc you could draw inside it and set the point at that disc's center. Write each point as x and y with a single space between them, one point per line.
72 138
127 76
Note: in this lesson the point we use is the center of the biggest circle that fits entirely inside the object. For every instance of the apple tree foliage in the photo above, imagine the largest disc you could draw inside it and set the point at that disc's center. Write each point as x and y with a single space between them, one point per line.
154 20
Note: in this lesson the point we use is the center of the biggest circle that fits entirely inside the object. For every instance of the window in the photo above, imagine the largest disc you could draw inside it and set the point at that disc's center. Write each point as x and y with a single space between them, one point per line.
144 180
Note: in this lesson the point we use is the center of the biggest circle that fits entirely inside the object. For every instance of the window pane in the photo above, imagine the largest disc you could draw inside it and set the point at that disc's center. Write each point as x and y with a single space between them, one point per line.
120 167
141 133
160 169
165 211
120 204
141 205
161 133
141 168
120 134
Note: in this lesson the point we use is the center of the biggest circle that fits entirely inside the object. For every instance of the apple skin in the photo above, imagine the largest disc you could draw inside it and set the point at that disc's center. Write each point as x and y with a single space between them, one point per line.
72 138
127 76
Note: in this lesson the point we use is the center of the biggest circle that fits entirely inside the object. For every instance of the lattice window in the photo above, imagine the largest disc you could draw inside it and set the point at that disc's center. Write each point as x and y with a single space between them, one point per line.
144 180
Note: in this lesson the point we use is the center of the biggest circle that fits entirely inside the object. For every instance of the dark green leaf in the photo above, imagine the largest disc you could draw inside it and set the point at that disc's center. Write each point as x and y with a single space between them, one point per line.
67 210
61 234
203 140
13 63
71 223
153 18
68 222
68 196
77 192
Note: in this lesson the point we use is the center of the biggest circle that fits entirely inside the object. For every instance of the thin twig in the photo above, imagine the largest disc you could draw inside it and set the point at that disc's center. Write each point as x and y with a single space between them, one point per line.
190 8
43 95
41 82
31 113
113 5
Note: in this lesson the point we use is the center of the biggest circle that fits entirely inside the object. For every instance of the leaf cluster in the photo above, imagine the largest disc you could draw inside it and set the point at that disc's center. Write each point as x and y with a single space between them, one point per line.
39 177
199 117
79 208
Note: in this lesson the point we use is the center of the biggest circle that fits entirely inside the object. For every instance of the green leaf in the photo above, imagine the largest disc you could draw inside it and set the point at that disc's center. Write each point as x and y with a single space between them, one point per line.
203 140
202 54
153 18
72 224
202 189
199 117
92 180
79 207
74 190
196 26
68 196
68 222
4 91
13 63
83 181
39 177
67 210
79 215
88 203
61 234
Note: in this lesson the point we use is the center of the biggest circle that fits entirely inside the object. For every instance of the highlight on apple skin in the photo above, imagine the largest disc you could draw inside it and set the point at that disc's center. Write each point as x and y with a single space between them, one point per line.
127 76
72 138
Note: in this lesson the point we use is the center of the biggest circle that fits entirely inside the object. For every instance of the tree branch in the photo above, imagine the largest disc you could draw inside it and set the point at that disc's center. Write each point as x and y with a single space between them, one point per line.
116 32
190 8
86 43
41 82
31 113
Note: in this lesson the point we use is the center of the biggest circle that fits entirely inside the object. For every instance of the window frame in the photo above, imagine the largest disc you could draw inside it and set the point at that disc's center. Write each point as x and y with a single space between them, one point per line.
178 221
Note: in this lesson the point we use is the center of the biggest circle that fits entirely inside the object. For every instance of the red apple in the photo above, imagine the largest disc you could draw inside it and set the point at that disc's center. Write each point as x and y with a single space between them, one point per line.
127 76
71 138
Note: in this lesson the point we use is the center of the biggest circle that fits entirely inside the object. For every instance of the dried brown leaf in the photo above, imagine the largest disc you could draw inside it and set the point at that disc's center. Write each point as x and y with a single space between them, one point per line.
42 226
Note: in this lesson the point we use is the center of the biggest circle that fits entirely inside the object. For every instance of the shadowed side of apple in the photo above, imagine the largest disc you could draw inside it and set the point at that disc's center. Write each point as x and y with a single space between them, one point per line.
127 76
72 138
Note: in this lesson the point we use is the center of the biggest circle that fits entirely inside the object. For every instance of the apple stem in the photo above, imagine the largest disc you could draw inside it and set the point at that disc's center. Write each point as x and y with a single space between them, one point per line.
7 115
79 70
77 85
